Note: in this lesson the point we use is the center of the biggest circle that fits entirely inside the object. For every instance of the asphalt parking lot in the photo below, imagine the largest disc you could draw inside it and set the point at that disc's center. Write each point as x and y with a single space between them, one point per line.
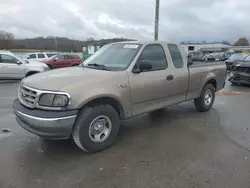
175 148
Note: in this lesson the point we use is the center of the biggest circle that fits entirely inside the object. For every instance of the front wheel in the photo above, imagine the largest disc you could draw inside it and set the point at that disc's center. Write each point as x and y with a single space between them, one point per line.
96 128
206 99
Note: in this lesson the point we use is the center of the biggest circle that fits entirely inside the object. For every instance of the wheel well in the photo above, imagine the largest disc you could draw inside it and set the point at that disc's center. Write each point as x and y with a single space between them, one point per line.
213 82
109 101
50 66
30 73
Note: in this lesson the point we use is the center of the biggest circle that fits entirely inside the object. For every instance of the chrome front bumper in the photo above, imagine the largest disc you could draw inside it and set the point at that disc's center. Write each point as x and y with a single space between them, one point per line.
48 124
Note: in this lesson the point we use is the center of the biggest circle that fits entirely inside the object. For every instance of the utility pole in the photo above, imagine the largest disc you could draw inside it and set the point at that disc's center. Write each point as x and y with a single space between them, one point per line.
56 44
157 4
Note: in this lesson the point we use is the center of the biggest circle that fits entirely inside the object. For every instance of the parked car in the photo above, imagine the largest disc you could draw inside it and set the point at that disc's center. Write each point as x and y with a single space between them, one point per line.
218 56
235 58
40 56
240 73
196 56
13 67
58 61
119 81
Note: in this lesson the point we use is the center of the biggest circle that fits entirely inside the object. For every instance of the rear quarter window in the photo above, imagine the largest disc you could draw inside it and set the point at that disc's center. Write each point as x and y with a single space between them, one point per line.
176 55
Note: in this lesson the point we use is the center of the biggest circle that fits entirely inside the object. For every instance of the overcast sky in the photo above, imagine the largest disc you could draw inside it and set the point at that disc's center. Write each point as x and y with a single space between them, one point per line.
195 20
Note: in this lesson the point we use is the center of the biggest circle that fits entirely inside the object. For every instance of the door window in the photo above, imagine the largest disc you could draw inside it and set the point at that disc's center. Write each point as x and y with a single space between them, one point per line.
59 57
176 55
156 55
4 58
41 55
68 57
32 56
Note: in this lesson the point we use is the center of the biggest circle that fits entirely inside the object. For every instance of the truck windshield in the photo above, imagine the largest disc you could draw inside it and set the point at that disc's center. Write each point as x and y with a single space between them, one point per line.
117 56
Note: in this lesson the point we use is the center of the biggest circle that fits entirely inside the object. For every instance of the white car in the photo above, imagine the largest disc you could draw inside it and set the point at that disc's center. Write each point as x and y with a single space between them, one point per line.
39 56
13 67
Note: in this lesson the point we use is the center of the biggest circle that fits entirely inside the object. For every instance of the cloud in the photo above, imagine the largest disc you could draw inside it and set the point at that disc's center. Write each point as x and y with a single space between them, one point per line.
196 20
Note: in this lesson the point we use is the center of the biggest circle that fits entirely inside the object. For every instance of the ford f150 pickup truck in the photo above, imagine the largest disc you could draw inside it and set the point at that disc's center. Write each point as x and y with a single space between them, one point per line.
119 81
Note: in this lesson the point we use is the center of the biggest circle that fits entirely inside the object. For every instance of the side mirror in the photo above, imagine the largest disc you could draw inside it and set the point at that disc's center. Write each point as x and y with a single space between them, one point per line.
19 62
143 65
28 57
190 62
54 59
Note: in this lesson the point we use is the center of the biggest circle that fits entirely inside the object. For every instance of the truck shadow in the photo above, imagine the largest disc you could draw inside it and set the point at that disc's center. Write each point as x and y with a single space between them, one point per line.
160 120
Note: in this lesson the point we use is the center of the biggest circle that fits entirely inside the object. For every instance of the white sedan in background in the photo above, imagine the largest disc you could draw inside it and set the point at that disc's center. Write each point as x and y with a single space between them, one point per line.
14 68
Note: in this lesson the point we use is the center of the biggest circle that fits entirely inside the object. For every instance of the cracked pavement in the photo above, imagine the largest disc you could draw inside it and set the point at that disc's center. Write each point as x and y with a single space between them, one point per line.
175 148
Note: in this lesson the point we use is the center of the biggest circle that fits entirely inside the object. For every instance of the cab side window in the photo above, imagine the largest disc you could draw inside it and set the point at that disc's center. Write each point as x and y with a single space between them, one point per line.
4 58
176 55
156 55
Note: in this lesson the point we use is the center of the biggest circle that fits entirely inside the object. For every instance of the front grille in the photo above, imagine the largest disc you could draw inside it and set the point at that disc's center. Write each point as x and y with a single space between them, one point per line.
27 96
245 78
243 69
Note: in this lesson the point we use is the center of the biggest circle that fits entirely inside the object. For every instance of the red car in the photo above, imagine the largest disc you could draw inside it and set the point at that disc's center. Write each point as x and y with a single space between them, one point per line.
58 61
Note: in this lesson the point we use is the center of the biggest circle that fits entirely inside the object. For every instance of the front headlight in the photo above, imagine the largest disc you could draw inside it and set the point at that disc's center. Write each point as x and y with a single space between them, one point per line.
60 101
53 100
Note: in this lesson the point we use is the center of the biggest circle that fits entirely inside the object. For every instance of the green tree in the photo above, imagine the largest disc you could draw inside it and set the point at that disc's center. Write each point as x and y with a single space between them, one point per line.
242 42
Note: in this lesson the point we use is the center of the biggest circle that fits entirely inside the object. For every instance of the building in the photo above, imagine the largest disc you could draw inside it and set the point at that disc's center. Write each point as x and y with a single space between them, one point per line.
206 47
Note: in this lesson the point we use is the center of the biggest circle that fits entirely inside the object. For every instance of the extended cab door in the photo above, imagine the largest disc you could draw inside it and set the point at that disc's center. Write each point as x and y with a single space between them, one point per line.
178 68
9 67
163 85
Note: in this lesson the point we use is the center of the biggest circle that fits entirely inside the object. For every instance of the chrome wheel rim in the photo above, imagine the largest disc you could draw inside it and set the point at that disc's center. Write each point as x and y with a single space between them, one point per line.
208 97
100 128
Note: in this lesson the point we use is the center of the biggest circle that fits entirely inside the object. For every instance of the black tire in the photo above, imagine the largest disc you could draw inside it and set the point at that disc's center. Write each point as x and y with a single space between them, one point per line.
200 103
82 125
74 65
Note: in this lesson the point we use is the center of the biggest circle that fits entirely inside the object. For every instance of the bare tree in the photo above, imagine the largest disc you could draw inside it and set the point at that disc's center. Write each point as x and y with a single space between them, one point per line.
6 40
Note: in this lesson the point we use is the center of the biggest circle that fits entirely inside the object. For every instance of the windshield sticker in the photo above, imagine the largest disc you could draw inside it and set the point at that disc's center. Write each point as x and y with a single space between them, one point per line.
133 46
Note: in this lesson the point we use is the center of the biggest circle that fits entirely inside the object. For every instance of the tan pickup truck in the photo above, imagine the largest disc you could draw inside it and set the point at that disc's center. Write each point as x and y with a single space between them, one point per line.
119 81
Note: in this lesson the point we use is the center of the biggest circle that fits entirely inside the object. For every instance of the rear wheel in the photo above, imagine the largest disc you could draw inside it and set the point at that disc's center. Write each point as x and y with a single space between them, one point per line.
206 99
74 65
96 128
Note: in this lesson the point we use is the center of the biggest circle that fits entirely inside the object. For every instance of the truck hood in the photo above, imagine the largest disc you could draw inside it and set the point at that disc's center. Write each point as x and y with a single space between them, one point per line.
64 78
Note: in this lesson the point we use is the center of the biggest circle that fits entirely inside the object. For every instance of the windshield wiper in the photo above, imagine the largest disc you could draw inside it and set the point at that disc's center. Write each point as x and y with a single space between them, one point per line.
98 65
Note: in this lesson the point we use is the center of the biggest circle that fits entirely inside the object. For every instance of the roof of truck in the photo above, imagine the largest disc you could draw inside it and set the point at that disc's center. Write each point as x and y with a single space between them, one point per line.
145 42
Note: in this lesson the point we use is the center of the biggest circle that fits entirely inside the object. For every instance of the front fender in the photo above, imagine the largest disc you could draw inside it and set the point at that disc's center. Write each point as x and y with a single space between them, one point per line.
121 95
